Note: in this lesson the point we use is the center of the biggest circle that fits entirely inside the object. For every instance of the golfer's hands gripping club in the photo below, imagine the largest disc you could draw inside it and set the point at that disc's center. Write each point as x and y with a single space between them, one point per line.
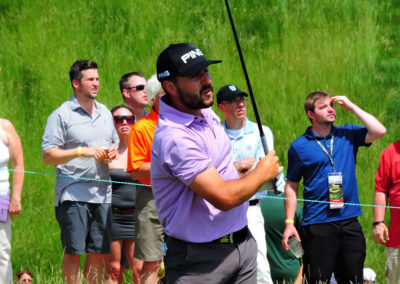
268 167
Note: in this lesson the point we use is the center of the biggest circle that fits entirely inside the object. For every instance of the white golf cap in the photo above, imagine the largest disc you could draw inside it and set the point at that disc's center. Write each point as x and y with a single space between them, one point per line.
369 274
153 87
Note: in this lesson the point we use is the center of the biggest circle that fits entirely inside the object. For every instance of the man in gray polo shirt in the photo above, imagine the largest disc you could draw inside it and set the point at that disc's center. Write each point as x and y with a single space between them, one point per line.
75 140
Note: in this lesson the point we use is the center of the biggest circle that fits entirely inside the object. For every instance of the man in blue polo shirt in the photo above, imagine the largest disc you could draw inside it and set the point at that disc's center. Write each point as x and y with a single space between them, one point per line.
325 157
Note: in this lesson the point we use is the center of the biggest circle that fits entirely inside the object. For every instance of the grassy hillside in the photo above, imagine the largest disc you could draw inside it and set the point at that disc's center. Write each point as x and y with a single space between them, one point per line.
290 47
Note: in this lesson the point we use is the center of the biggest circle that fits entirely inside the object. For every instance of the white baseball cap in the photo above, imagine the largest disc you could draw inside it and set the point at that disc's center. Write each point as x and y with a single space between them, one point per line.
153 87
369 274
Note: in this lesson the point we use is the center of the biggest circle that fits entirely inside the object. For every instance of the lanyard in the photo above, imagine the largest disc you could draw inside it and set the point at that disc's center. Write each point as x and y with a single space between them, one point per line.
327 153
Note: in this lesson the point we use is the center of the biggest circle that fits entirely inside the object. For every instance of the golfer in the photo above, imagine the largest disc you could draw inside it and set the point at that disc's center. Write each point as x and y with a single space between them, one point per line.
199 197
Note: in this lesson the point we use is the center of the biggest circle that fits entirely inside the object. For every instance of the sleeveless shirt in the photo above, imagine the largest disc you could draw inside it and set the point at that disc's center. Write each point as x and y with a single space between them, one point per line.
4 175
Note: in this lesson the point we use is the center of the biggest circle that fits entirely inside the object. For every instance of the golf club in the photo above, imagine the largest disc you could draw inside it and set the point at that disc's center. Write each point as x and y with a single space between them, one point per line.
253 102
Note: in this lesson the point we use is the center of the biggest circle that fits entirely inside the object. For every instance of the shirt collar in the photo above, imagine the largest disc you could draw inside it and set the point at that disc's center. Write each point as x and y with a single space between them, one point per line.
248 127
311 135
180 117
75 104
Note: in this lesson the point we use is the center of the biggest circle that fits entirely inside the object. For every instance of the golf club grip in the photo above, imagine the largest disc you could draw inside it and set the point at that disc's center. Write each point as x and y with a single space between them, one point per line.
266 150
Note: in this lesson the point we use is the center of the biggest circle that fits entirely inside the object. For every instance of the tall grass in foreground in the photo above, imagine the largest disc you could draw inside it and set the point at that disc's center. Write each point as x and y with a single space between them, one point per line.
290 47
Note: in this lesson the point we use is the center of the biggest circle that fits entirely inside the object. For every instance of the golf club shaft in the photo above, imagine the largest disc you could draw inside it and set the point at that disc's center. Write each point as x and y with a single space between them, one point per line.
253 102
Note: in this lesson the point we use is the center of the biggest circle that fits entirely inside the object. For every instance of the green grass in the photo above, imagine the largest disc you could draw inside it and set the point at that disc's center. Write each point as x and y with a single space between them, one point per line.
290 47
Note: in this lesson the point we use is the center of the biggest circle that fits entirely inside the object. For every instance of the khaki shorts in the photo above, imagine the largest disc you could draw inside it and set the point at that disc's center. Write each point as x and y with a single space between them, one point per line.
149 232
392 265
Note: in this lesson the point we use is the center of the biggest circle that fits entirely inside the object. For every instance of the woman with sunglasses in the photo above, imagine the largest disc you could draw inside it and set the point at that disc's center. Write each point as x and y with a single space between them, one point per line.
123 200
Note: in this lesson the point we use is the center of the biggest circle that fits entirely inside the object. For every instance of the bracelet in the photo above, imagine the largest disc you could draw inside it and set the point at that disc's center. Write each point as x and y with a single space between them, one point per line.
289 221
377 223
79 151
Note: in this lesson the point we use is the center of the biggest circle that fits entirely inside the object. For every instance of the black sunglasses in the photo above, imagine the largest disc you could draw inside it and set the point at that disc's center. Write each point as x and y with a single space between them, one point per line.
120 118
137 87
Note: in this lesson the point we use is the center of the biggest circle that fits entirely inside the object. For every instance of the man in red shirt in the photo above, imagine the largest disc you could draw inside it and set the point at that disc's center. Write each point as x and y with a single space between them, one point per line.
387 188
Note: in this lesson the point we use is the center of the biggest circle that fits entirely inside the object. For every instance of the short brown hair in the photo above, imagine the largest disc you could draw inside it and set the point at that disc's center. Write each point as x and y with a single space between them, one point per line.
309 104
75 72
124 81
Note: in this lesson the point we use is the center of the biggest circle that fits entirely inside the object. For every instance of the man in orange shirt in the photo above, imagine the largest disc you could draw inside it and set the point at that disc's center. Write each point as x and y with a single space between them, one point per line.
149 232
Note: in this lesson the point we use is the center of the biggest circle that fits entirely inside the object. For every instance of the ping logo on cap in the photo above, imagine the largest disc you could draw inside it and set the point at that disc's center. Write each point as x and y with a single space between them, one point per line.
163 74
232 88
191 54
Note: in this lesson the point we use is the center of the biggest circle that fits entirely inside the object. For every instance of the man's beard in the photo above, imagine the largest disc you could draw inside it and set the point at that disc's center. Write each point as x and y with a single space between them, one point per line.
330 121
89 95
195 101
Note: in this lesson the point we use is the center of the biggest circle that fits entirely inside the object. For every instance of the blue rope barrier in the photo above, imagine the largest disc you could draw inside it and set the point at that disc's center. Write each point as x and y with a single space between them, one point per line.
146 185
80 178
327 202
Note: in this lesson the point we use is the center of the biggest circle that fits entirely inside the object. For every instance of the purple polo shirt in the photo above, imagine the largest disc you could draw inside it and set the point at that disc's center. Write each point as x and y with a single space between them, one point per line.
183 147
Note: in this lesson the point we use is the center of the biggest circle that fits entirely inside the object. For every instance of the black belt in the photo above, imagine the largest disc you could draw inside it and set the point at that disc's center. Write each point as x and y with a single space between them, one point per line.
253 202
236 237
116 210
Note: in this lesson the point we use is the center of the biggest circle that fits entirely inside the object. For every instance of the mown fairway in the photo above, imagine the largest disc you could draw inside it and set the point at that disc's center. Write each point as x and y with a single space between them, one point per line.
290 47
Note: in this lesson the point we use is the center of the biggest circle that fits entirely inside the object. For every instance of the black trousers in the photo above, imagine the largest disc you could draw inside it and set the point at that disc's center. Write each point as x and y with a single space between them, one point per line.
337 247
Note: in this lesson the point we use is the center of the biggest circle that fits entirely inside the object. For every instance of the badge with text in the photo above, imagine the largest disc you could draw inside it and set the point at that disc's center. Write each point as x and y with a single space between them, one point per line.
335 191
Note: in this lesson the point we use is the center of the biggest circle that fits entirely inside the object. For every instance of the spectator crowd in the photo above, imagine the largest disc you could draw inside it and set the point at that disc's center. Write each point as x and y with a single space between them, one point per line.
203 199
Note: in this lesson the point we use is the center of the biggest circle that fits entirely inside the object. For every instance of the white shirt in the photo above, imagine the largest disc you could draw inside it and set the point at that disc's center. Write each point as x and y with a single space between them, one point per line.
246 142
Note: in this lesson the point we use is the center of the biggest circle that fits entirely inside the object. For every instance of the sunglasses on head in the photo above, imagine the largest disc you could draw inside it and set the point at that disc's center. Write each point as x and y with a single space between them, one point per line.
137 87
120 118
